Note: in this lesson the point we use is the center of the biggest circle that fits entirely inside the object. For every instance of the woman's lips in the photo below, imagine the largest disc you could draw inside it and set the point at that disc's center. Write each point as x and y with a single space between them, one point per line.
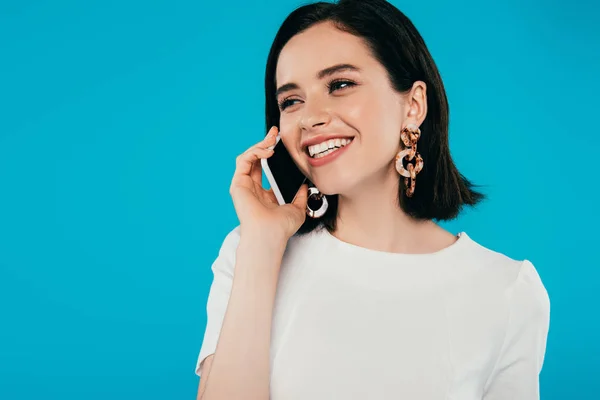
317 162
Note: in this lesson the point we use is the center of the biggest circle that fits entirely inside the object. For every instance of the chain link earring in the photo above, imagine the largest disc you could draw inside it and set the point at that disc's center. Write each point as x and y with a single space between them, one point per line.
315 194
410 136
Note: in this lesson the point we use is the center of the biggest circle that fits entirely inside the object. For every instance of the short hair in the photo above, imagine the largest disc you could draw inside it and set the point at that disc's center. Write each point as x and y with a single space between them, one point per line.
441 190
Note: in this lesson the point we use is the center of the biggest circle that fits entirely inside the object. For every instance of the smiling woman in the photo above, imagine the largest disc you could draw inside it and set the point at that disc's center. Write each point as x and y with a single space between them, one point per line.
373 300
361 89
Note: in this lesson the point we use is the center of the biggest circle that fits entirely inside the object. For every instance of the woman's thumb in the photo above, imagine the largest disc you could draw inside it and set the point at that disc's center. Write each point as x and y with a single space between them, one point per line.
301 197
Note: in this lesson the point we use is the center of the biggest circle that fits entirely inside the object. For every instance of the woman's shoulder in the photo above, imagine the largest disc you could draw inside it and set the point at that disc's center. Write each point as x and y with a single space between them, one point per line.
512 274
489 257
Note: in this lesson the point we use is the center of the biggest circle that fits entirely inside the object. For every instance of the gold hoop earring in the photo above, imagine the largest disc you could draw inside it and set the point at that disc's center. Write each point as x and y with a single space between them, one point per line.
410 136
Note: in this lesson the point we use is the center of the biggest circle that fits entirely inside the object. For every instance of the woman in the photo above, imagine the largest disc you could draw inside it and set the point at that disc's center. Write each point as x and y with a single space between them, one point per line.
372 300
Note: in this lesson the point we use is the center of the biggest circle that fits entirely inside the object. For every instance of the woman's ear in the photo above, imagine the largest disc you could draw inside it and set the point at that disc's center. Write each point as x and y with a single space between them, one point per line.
417 103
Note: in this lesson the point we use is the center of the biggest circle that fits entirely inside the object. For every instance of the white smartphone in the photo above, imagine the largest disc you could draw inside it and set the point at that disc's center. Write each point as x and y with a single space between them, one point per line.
282 173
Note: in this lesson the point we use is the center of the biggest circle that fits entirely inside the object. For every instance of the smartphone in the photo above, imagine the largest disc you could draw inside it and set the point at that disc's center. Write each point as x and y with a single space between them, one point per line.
282 173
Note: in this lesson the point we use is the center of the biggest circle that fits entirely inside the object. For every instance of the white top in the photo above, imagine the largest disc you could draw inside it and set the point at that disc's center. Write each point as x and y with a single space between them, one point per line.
463 323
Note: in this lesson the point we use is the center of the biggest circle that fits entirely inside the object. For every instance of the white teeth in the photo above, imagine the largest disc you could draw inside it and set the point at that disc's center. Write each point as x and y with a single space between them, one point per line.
323 147
329 146
323 154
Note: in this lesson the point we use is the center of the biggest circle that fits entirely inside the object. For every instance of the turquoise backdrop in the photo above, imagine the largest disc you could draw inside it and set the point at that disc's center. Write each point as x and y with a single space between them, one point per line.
119 126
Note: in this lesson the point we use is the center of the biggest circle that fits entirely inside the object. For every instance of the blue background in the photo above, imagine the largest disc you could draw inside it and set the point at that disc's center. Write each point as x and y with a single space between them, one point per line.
119 127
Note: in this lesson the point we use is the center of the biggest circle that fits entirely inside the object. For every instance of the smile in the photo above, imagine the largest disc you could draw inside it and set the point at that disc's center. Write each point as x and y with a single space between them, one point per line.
327 147
328 151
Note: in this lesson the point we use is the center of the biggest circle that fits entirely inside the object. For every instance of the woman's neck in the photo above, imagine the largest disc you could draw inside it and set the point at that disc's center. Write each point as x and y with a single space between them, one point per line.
372 218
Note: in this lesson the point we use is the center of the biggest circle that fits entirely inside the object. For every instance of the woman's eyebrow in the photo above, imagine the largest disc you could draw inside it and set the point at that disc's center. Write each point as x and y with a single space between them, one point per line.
320 75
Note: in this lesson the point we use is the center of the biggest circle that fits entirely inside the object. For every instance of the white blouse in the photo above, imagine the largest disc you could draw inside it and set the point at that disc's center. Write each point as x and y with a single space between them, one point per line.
463 323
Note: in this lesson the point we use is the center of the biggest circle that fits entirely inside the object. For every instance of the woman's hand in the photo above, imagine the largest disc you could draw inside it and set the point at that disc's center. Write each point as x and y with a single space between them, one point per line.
257 209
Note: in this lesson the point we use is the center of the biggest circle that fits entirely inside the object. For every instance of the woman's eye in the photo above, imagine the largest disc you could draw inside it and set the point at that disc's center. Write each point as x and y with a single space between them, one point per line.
332 86
337 84
285 103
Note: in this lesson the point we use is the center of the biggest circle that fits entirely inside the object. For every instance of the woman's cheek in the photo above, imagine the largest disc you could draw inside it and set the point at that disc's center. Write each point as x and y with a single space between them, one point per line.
357 110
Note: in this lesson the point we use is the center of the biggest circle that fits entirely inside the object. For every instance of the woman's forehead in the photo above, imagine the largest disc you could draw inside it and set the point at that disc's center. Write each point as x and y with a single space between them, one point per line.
318 48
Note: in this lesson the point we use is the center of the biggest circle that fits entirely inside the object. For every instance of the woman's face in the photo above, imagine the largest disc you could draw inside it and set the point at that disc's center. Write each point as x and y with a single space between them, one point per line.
356 104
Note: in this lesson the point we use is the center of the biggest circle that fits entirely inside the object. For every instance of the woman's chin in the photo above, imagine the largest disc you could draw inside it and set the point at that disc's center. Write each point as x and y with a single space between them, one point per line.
331 188
335 183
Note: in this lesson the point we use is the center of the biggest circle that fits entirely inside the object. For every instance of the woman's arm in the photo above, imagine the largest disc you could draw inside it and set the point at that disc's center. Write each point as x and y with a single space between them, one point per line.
240 368
517 370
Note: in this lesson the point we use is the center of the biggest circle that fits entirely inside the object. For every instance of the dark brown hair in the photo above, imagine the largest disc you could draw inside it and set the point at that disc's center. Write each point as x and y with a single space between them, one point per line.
441 190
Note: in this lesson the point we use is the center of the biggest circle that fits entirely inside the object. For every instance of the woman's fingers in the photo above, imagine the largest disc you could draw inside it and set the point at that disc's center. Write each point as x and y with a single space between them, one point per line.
245 162
256 173
270 139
